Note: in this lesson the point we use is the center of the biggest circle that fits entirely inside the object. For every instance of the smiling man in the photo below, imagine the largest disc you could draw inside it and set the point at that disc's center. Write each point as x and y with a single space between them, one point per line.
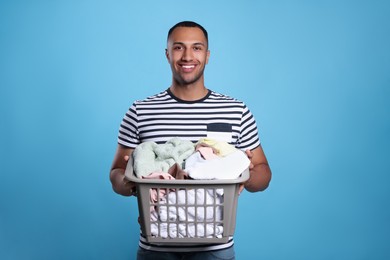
188 54
190 111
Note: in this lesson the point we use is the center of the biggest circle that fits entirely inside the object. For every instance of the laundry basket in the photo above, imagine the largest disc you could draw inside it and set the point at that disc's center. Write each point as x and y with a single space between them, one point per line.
186 211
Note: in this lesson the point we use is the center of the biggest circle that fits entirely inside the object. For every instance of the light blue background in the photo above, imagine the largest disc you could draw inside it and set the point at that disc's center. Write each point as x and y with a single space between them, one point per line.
316 75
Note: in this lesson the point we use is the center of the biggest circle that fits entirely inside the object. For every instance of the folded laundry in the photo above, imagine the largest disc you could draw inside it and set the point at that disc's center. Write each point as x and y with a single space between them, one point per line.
201 230
174 230
151 157
189 213
227 167
221 148
175 172
180 205
207 153
156 194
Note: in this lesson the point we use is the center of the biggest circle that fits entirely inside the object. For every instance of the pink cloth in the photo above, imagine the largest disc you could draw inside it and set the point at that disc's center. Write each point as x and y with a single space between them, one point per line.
155 194
174 173
159 175
207 152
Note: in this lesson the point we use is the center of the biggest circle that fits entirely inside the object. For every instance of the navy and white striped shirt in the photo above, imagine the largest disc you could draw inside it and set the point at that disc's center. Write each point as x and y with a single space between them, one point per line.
163 116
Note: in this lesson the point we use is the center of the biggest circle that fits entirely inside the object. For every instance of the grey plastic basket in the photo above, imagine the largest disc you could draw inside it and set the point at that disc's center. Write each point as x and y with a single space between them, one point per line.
209 217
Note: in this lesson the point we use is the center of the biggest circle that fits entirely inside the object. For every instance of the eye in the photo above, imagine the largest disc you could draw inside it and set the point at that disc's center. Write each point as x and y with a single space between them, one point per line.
177 47
197 48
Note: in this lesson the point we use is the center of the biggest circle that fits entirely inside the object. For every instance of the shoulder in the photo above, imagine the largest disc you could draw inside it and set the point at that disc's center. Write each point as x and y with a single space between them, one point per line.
156 101
219 97
159 97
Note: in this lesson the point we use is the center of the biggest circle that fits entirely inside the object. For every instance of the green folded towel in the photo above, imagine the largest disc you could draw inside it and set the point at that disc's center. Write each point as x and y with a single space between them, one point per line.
150 157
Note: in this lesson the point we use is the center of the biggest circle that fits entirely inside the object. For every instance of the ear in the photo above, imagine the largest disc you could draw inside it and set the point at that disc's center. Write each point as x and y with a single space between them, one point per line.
167 54
207 56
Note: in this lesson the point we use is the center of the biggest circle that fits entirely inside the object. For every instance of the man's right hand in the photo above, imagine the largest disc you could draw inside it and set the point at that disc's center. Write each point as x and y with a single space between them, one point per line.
117 174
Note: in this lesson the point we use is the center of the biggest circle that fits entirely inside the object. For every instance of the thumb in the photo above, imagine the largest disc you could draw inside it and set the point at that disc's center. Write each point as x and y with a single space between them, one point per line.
249 153
241 188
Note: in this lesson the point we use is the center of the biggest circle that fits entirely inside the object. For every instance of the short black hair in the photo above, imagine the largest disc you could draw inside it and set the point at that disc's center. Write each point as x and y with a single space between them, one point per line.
189 24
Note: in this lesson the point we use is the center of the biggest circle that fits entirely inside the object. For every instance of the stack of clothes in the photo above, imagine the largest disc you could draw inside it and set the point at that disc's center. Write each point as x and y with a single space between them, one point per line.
181 159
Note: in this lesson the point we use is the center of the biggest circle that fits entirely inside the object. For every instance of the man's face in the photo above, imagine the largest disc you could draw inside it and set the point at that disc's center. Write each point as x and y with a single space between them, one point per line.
188 54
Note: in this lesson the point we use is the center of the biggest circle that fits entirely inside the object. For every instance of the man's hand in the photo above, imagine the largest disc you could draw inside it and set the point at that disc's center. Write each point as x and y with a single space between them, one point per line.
129 184
249 154
260 172
117 174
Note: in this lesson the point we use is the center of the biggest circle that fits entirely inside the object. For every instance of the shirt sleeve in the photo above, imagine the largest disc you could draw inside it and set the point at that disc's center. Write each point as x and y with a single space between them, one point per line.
249 137
128 131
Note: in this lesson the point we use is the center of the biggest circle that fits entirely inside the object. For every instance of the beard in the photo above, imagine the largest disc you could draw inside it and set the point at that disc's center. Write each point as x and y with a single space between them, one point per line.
187 79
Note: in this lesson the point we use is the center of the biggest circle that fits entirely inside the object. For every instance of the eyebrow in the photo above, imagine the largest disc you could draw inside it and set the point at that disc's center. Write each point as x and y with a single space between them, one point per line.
196 43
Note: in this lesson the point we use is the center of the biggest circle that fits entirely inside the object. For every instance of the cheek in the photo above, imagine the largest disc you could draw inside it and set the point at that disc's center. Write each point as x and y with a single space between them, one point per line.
174 57
204 58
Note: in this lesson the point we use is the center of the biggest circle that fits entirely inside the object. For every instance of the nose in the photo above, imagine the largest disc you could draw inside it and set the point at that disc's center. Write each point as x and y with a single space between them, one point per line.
187 55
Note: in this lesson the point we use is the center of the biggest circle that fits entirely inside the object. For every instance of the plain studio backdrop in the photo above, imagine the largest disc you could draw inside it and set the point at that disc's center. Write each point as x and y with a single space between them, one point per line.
316 75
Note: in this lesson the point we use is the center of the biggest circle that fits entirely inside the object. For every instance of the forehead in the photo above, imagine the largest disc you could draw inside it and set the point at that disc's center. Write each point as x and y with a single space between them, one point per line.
187 35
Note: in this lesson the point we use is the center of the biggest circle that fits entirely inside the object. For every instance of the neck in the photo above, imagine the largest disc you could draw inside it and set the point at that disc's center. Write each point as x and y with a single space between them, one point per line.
189 92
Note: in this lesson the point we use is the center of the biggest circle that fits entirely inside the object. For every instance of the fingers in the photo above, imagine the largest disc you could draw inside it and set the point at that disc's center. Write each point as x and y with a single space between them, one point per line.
130 185
241 188
250 155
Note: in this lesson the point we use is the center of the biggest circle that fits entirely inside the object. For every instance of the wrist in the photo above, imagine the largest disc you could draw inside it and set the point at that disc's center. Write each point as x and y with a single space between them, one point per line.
118 182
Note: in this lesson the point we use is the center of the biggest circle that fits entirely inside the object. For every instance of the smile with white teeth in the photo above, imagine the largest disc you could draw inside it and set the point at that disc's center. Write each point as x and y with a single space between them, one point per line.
188 66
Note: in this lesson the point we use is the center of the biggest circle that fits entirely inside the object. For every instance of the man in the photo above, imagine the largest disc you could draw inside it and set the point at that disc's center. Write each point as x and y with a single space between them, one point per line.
188 110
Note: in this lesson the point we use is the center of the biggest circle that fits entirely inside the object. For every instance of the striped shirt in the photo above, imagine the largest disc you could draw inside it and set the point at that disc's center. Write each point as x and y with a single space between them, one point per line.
163 116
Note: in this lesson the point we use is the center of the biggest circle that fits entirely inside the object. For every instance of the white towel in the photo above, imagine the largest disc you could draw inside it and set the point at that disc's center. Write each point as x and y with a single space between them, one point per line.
164 231
223 168
191 196
200 230
185 215
180 230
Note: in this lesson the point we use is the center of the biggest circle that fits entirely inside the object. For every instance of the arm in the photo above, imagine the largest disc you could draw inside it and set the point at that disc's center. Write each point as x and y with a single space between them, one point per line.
117 172
260 172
